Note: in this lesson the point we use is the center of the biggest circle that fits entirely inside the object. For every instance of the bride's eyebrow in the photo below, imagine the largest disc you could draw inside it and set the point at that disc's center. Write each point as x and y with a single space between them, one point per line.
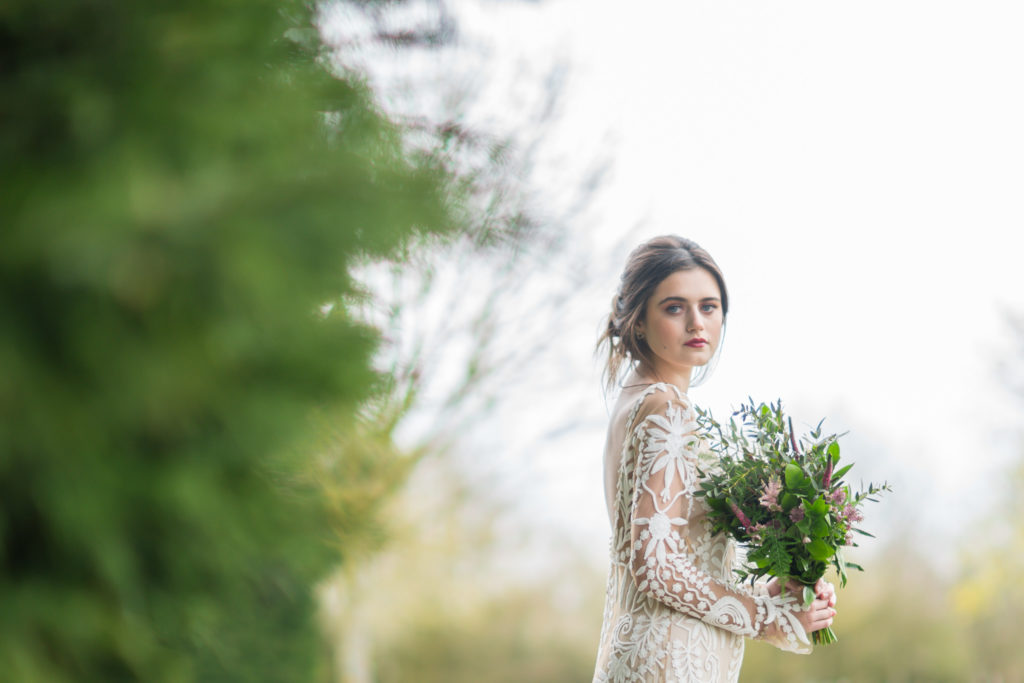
684 299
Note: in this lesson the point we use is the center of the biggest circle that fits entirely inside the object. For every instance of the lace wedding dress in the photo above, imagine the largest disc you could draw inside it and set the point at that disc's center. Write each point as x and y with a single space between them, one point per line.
673 610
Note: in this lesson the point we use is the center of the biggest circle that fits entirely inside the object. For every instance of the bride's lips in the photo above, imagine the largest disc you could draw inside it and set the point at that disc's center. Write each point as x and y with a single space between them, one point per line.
697 343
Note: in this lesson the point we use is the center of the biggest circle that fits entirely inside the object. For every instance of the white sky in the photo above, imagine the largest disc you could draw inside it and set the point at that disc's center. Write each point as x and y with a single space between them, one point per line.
856 169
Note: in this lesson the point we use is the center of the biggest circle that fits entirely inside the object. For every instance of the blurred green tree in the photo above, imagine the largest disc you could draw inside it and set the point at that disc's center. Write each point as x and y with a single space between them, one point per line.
989 597
182 185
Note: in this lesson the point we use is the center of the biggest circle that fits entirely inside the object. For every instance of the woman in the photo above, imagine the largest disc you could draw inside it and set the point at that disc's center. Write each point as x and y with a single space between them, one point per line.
673 610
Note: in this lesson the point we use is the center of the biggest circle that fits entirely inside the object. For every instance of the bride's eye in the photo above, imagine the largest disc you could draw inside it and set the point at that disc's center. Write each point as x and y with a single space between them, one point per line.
708 308
673 309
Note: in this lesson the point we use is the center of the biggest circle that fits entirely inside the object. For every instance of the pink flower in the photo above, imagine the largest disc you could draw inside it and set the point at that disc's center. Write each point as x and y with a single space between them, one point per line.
838 496
744 520
797 513
770 499
852 514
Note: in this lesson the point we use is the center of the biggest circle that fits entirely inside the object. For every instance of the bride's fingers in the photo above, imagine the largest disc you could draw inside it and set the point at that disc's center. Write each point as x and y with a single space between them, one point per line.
819 615
820 624
825 591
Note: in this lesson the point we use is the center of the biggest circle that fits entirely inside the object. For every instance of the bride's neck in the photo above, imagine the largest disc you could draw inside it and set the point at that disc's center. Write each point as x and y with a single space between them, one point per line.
643 377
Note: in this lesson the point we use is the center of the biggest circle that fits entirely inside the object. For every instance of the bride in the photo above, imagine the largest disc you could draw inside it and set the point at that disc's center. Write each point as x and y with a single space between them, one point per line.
673 610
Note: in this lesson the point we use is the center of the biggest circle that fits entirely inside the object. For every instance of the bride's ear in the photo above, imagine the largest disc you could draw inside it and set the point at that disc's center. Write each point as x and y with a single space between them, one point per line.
641 330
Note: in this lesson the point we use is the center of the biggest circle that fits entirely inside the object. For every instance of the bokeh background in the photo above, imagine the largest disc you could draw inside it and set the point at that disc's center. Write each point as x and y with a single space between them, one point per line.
299 305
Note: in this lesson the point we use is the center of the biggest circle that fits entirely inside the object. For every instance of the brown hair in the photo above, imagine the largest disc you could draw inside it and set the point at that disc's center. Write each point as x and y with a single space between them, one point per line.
646 267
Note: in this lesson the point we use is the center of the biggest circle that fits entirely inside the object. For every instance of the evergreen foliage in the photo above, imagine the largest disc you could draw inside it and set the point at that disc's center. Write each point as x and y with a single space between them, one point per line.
181 186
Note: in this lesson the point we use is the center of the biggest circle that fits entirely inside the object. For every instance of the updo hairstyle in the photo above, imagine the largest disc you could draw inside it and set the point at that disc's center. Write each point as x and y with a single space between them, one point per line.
646 267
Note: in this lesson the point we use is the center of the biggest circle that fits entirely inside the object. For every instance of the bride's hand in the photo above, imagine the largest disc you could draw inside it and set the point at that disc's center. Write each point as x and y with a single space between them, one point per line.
823 590
816 617
820 613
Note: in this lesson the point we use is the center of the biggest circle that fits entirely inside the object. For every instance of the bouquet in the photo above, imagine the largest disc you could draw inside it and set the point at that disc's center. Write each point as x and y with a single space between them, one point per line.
781 497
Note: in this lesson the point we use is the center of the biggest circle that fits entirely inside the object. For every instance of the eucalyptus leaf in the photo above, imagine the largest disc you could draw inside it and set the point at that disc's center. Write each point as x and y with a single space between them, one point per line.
838 474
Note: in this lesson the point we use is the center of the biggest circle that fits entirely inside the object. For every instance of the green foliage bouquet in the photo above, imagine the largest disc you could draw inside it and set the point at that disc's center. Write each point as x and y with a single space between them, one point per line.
781 497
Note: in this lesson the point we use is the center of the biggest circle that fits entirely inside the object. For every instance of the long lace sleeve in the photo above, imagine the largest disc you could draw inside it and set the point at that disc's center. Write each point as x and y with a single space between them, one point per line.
666 559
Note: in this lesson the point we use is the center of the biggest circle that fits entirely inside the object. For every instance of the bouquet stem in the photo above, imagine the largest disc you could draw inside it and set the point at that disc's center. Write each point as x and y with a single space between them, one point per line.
825 636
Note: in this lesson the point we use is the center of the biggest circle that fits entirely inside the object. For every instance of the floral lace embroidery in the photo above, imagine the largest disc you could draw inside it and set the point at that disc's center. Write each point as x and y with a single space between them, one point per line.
673 611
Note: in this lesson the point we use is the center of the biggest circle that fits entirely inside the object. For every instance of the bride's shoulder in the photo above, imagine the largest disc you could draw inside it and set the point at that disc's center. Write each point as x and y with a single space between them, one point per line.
663 398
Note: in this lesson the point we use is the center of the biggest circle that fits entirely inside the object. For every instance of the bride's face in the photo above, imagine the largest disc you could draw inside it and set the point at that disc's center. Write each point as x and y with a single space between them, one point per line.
683 322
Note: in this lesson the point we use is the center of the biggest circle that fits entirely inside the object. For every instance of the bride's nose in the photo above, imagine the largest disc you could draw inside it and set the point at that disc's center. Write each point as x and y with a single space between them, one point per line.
694 321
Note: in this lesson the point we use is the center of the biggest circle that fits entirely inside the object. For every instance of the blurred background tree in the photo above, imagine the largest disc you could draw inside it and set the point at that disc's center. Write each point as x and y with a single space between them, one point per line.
989 595
182 186
432 601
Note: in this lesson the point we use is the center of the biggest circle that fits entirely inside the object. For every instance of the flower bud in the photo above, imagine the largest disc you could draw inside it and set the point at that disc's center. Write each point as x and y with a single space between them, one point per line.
744 520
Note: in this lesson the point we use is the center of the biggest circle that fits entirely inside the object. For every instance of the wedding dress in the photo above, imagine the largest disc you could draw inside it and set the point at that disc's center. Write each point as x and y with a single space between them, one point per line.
673 609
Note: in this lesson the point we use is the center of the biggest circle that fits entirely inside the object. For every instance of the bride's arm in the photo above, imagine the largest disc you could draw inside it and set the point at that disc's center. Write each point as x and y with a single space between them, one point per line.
663 552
